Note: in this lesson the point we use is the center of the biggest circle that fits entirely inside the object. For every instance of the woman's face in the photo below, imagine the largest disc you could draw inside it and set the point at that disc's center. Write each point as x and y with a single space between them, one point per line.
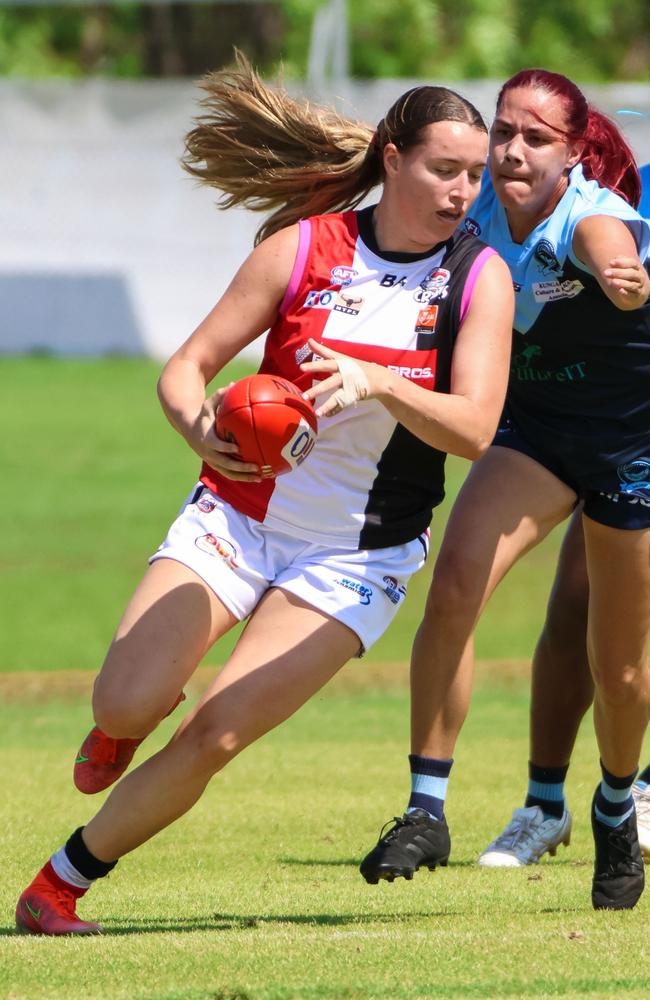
432 185
530 157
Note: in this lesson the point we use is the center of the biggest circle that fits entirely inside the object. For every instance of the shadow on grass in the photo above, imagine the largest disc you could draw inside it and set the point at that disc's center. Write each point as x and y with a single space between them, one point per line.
352 862
238 922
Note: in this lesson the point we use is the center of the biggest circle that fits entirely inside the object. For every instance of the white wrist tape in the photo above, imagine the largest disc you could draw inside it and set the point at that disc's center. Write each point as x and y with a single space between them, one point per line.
355 384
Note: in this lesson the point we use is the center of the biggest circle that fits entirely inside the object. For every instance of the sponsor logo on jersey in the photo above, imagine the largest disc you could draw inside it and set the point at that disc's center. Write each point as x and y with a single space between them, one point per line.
342 275
364 593
545 256
472 227
426 321
394 590
626 498
635 478
220 547
303 354
206 503
299 445
348 304
525 367
434 286
414 374
550 291
320 300
393 280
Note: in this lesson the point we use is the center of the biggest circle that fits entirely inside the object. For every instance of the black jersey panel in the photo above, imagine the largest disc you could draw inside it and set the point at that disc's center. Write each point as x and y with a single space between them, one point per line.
410 483
410 478
580 379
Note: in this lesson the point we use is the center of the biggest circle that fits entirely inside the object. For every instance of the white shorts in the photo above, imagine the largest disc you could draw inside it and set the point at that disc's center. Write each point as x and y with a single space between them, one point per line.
240 558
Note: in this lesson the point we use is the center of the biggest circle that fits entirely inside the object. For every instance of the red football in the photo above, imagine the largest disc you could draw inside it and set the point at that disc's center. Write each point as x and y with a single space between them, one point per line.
268 419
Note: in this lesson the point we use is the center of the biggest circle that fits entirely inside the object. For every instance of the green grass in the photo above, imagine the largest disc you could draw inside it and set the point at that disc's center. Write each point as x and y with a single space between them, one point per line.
255 895
92 475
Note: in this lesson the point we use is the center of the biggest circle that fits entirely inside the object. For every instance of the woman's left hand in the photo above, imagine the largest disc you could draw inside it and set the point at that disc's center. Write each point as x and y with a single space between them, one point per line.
629 276
349 382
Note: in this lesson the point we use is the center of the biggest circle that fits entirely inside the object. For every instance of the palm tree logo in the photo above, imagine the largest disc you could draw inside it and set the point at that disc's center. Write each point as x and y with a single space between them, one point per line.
524 358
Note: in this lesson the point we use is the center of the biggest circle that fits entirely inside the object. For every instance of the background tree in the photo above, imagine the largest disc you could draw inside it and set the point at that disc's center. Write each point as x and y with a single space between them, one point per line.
597 40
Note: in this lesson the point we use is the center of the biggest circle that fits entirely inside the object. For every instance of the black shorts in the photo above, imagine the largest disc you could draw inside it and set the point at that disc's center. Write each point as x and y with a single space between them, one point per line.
619 498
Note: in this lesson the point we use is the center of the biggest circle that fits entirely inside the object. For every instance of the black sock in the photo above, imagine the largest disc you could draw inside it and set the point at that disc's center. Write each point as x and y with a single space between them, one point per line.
86 863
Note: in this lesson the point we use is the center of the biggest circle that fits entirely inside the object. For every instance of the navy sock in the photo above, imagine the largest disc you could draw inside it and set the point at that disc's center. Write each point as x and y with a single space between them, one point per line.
429 779
613 802
546 789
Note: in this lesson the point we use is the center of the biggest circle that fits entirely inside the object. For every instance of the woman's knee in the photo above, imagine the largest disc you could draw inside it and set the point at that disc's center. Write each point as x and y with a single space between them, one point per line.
121 713
567 612
212 745
457 586
622 688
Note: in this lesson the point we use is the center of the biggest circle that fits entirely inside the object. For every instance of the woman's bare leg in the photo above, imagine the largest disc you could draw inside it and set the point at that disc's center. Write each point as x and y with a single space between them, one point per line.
618 563
286 653
489 529
169 623
562 686
618 633
562 690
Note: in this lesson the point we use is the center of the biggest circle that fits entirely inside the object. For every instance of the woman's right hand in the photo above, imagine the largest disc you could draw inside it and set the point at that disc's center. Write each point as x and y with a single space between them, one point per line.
219 454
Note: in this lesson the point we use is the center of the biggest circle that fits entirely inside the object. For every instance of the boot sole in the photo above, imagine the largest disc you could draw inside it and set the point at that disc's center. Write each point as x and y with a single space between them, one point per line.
390 874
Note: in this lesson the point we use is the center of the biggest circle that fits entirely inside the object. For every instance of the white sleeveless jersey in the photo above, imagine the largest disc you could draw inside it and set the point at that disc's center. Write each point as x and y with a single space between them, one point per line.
368 482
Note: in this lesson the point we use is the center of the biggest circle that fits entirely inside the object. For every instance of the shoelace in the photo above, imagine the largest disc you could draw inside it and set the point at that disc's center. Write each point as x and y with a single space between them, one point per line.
104 750
618 850
60 898
399 822
518 830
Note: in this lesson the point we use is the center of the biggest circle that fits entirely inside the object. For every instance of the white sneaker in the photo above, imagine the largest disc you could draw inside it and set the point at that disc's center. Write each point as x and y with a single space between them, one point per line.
527 837
641 798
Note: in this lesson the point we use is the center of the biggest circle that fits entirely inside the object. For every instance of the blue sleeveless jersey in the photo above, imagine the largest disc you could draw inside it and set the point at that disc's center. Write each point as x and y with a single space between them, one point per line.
644 204
579 386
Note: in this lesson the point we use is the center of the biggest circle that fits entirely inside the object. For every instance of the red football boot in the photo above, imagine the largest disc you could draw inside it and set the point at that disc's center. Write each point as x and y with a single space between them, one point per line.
103 759
47 906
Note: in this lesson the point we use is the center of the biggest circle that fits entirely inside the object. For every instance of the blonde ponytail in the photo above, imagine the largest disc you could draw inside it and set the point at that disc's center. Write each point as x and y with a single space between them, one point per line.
266 151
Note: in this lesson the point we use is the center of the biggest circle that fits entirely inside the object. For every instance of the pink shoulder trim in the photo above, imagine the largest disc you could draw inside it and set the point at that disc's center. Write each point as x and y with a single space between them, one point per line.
472 278
304 241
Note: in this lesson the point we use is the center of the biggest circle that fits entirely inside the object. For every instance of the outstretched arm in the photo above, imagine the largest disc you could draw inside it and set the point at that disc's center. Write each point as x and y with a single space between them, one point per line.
463 421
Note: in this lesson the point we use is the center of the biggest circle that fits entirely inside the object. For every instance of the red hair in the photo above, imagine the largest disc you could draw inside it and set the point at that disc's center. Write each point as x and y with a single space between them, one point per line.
606 157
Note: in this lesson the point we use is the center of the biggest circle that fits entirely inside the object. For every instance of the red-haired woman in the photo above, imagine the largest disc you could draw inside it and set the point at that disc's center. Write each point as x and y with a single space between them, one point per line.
558 207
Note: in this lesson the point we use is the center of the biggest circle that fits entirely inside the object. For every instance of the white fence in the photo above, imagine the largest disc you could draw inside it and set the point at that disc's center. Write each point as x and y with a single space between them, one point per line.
106 245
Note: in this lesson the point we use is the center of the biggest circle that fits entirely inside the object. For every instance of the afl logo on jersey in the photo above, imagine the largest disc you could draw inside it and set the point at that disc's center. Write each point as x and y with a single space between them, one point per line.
342 276
544 254
472 227
206 503
434 286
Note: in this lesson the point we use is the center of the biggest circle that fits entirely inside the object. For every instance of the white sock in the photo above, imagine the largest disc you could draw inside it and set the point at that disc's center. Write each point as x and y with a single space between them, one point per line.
61 864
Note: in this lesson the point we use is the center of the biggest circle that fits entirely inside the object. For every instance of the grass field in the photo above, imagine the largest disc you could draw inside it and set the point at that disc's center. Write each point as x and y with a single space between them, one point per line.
255 895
